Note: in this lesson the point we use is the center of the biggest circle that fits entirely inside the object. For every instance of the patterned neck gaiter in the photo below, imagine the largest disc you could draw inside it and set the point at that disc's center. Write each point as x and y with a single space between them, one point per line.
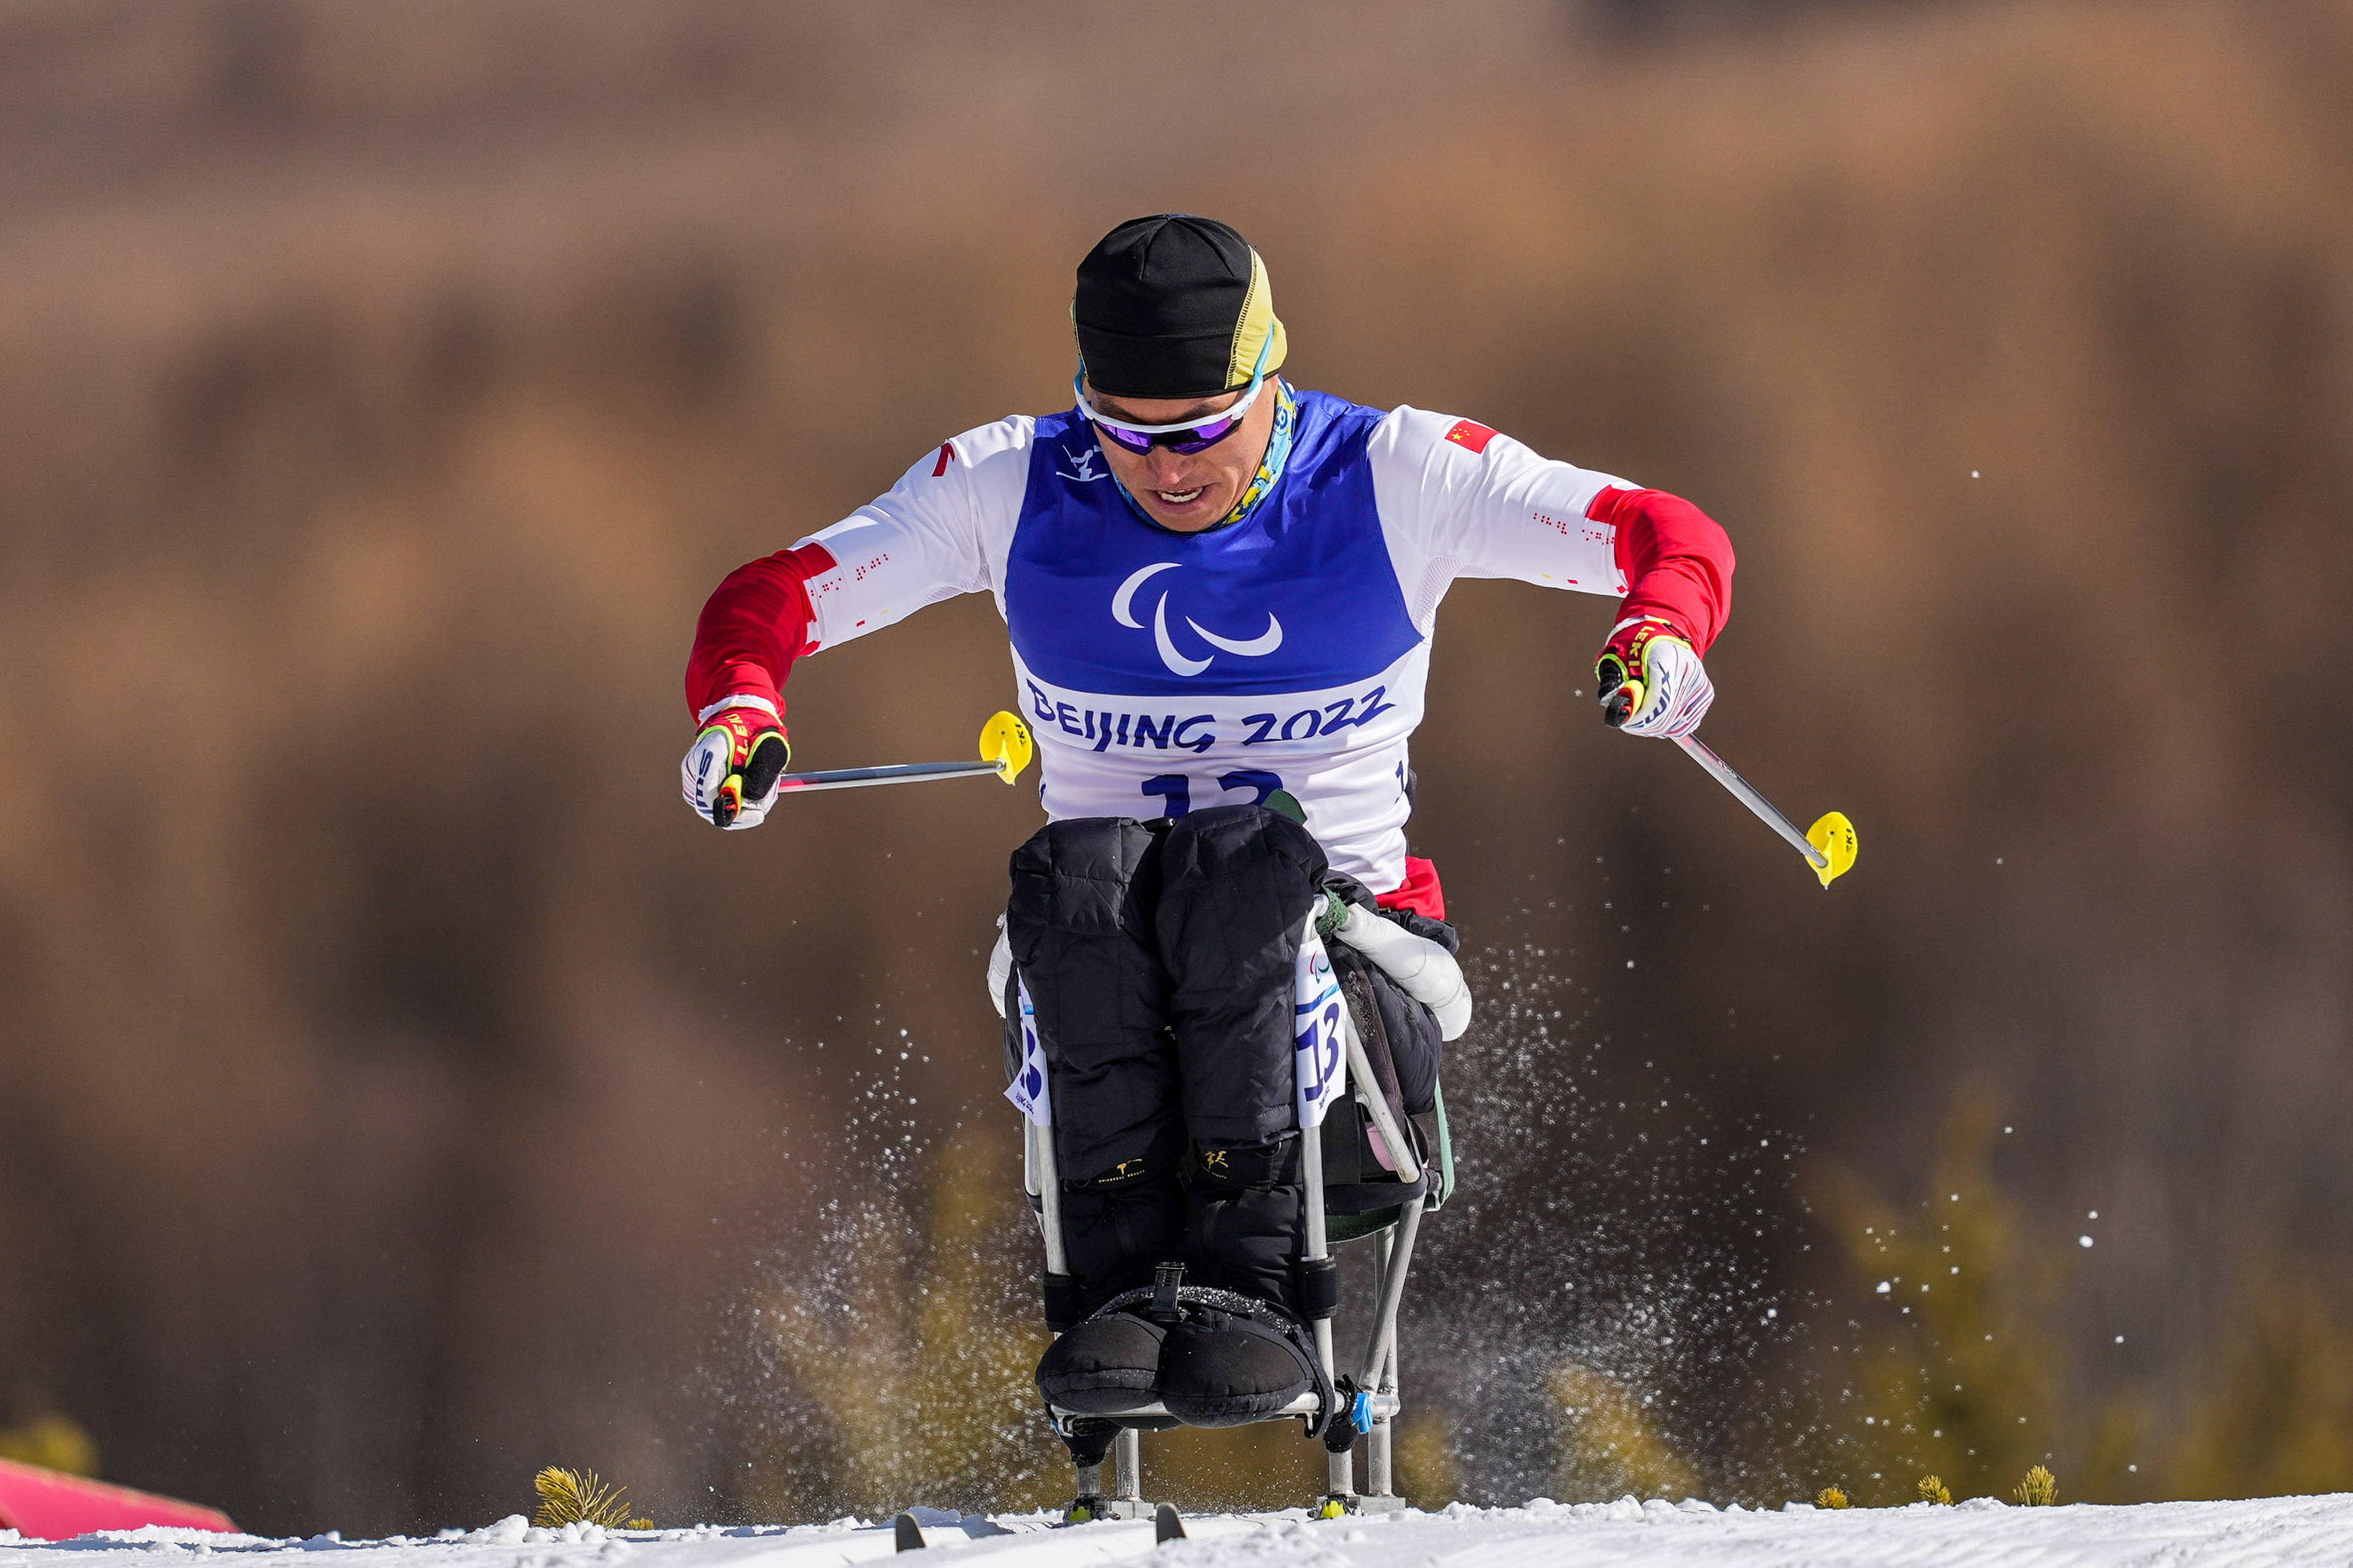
1277 452
1270 468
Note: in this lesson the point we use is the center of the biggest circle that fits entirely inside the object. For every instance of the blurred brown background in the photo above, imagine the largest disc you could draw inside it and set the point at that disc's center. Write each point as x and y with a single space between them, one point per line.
399 1091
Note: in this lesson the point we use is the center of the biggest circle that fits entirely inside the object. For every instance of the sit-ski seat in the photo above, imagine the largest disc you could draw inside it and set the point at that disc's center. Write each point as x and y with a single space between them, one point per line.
1359 1188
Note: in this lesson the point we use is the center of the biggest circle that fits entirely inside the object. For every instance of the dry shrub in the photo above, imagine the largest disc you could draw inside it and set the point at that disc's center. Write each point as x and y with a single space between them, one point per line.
912 1346
2276 1418
1611 1445
1958 1363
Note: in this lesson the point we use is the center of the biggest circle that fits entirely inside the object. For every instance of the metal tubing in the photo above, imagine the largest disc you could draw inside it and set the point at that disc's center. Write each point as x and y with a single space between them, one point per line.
1389 1371
1390 1261
1041 1145
1340 1472
1131 1464
1368 1090
1311 1171
1380 1448
1392 1292
896 772
1385 1252
1311 1160
1308 1403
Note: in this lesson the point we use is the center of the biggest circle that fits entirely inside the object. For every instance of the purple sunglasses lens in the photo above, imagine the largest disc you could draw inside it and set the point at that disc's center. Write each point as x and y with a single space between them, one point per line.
1129 439
1187 441
1204 436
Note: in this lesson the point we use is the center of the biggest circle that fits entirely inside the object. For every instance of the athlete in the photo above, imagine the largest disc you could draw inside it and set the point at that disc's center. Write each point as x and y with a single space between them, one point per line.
1220 590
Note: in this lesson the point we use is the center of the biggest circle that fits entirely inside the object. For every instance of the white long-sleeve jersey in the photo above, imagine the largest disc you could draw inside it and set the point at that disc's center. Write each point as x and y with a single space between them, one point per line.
1166 672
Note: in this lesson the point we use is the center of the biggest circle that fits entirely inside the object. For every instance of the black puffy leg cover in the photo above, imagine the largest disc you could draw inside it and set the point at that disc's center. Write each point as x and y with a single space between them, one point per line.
1116 1227
1221 1369
1109 1363
1159 957
1236 884
1246 1219
1079 923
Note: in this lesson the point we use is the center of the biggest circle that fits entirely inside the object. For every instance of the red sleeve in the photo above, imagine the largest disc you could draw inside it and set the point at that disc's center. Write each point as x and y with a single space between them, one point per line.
1420 892
1677 559
752 628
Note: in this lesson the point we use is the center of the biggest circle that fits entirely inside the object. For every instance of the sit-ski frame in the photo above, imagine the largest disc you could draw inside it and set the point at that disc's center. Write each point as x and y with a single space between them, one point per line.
1376 1383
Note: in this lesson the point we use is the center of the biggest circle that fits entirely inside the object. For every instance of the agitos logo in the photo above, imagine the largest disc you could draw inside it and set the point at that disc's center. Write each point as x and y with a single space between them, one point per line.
1122 606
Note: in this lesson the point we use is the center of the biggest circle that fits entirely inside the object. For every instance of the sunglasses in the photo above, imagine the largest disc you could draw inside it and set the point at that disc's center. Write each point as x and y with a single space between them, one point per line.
1194 436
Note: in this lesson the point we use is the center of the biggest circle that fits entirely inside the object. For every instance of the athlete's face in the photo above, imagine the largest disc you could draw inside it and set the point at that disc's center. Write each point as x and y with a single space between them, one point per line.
1188 494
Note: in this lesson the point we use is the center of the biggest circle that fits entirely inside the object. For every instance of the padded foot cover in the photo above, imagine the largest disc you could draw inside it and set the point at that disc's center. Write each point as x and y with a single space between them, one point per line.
1222 1369
1109 1363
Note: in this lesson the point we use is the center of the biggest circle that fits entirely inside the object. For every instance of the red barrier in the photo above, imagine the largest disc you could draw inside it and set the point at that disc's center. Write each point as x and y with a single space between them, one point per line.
55 1506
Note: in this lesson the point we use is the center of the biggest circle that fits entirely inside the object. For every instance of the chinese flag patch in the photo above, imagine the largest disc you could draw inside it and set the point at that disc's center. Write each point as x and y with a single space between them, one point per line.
1472 434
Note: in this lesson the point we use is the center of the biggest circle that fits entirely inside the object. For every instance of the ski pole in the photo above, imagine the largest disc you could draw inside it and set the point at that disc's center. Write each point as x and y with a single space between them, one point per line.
1005 750
1828 846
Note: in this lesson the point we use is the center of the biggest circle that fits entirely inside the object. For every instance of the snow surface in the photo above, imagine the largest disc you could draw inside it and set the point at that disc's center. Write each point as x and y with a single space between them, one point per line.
1543 1534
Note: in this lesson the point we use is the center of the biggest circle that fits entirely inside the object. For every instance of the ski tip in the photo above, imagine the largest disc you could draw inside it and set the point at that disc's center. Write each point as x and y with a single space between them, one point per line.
909 1534
1167 1526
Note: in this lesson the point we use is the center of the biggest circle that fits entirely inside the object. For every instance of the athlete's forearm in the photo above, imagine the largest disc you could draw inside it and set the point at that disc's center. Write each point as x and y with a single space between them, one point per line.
1677 559
752 628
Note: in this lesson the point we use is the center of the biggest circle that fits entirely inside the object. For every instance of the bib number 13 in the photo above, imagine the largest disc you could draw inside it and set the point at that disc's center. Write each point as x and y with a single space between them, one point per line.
1176 789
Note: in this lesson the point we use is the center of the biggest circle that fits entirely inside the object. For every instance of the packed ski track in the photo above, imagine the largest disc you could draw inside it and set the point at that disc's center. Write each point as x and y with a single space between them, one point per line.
1623 1534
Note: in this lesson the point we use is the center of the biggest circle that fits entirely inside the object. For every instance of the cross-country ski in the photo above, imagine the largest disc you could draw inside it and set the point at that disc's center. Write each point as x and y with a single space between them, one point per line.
2275 1532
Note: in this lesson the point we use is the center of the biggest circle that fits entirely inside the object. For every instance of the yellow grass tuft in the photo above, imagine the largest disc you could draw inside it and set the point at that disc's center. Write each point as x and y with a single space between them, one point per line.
1933 1490
2039 1489
578 1497
1831 1497
52 1442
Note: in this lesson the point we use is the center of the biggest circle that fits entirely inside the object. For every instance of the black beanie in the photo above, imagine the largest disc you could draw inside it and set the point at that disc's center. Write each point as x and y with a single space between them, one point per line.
1175 306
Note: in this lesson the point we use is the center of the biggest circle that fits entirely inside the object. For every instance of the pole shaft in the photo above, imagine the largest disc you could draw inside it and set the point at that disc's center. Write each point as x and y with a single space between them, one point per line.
1746 794
865 778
